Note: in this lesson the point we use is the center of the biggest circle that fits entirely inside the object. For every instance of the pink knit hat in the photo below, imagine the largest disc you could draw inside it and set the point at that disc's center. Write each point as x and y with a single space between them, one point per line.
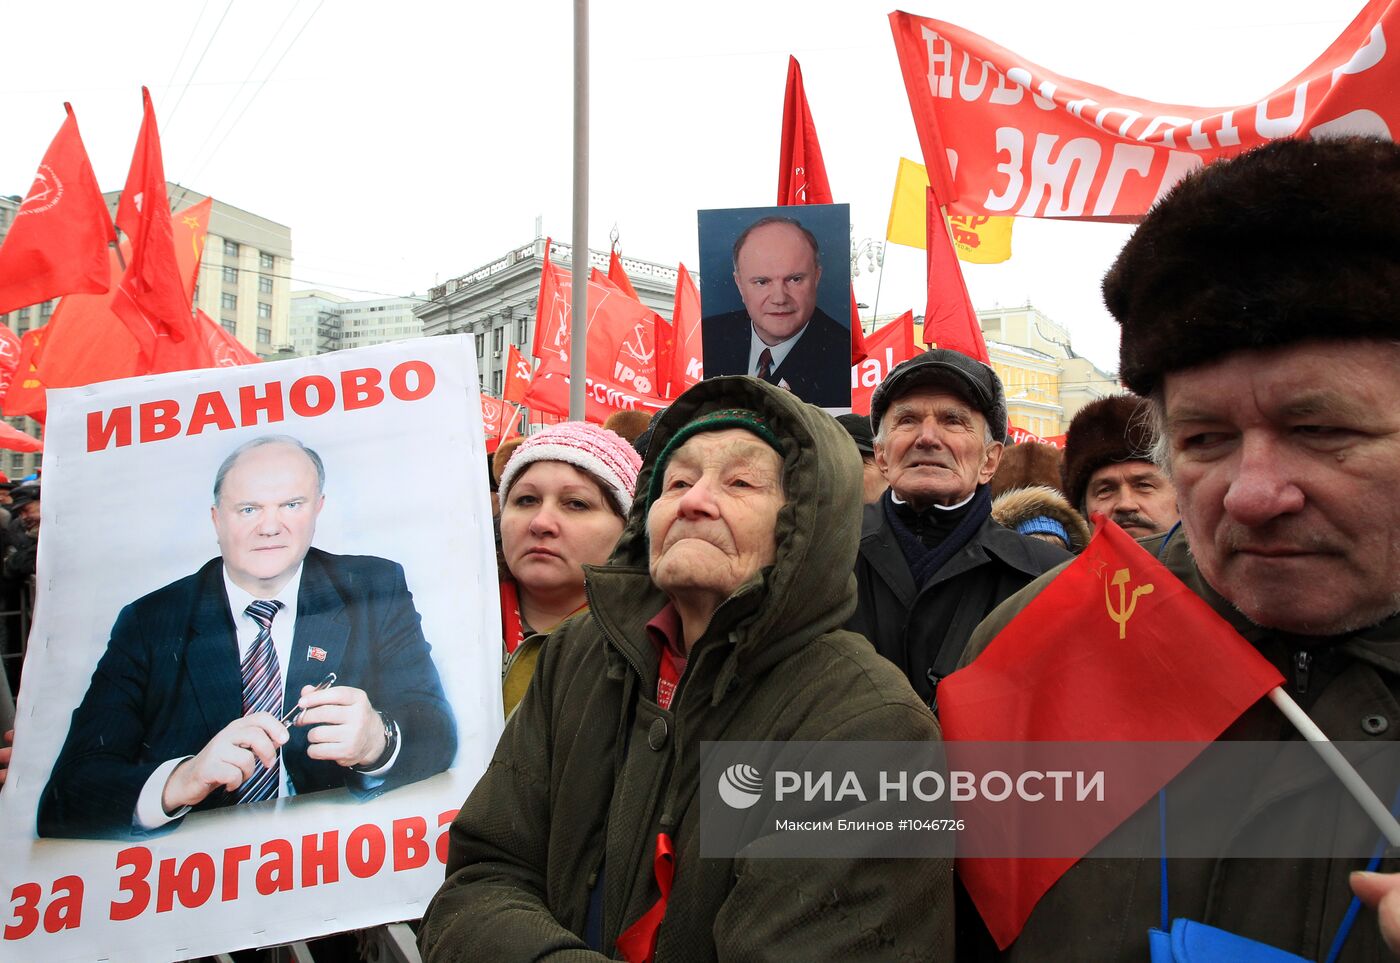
603 454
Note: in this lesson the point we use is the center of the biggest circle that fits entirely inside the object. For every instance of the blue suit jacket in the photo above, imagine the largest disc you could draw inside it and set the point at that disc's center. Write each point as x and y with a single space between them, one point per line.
170 680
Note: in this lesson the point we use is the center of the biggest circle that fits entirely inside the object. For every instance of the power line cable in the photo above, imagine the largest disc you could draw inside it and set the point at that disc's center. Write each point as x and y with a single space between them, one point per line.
169 118
194 28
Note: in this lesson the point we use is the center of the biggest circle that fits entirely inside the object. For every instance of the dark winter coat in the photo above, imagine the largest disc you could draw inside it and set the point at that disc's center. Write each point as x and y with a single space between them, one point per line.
590 768
1101 909
923 631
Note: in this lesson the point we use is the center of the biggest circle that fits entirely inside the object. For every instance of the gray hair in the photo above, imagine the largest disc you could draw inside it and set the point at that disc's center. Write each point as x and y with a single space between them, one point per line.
1152 416
259 442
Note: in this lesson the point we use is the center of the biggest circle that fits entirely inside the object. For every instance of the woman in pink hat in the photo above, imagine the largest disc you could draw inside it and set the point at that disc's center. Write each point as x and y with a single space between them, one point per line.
565 494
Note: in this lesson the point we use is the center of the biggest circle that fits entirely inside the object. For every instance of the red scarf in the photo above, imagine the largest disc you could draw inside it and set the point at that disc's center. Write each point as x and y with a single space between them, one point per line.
511 623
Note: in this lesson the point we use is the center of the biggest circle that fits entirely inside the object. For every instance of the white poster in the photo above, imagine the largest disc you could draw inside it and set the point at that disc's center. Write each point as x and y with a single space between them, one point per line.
351 536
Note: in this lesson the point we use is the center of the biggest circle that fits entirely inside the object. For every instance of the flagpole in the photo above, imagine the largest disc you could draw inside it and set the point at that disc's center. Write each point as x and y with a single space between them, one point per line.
879 280
578 327
1360 791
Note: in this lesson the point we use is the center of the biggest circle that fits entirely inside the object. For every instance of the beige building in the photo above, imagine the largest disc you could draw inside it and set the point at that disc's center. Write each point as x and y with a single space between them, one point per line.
17 464
245 275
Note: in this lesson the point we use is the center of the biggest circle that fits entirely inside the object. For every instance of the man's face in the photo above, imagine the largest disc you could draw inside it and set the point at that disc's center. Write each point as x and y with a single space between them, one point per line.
1135 494
29 515
933 448
1285 464
777 274
714 523
266 517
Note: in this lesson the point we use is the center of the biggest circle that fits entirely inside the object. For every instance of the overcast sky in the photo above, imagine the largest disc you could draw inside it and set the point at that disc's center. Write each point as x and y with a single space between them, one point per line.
405 143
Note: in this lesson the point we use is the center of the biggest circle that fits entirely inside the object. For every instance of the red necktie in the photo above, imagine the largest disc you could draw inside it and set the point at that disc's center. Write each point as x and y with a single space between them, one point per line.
765 365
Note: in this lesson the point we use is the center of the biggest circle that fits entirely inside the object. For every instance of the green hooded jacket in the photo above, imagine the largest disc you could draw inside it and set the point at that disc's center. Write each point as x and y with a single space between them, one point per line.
590 768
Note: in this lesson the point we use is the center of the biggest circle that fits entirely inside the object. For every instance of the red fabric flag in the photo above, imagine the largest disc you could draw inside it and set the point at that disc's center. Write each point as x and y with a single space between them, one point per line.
549 396
10 349
58 241
491 411
949 320
889 345
802 173
1116 648
226 350
16 440
26 394
518 372
687 367
619 277
625 330
151 298
190 228
87 343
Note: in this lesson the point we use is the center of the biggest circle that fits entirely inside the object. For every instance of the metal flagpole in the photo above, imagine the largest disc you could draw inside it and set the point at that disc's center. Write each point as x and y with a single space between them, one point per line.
578 327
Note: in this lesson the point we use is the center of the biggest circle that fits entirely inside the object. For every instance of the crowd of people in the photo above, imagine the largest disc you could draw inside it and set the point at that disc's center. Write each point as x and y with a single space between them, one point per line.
743 567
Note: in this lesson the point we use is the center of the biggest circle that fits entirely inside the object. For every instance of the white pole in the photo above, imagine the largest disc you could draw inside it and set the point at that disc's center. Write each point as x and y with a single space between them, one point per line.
578 338
1360 791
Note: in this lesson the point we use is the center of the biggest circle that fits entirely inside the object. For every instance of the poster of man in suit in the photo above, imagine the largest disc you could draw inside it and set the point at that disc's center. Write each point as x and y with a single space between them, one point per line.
776 299
265 662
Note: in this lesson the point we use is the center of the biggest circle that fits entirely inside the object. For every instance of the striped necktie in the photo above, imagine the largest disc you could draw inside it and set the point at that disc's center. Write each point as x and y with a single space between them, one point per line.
765 365
262 692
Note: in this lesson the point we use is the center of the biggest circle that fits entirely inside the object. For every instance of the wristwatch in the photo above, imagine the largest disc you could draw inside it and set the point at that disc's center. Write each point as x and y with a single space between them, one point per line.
391 742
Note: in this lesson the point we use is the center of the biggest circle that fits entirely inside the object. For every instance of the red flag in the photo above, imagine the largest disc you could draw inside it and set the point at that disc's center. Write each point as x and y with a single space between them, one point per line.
949 320
10 349
58 242
889 346
16 440
1116 648
26 394
86 342
802 173
549 395
190 228
686 365
151 299
518 372
226 350
619 277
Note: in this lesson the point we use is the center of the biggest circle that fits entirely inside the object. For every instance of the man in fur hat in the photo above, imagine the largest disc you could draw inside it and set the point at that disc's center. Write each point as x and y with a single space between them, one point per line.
1108 467
1260 312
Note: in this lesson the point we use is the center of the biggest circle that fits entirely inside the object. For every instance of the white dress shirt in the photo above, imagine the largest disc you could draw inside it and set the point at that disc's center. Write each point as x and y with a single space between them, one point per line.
779 351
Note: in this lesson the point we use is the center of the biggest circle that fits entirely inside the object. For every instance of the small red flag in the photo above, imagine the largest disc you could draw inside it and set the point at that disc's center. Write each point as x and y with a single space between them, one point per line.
16 440
10 349
58 242
949 320
26 394
1115 648
619 277
802 173
151 298
889 345
687 366
518 374
226 350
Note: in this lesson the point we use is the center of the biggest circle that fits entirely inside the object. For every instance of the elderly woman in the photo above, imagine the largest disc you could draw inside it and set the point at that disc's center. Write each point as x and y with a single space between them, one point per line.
564 495
717 618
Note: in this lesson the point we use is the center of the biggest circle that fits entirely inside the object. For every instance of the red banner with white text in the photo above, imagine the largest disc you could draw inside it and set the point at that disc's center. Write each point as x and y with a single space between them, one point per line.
1020 139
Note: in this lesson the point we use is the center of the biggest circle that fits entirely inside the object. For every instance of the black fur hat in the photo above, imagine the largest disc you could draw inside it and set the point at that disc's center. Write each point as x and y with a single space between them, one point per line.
1294 240
1104 432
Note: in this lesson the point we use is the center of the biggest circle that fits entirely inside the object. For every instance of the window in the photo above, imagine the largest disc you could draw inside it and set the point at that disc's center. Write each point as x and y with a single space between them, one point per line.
264 285
480 345
264 336
265 261
521 331
497 336
264 310
496 383
24 316
230 302
230 249
230 326
230 275
46 310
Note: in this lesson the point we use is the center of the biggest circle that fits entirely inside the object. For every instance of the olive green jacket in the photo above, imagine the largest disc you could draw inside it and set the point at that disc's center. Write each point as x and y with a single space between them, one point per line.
590 768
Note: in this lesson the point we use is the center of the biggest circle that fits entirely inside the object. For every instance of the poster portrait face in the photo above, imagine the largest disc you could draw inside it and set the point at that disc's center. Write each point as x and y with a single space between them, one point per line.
777 300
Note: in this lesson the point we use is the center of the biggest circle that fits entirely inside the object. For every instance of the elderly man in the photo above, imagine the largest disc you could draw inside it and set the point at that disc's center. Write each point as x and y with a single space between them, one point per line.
781 335
277 669
717 619
1258 304
1108 467
932 562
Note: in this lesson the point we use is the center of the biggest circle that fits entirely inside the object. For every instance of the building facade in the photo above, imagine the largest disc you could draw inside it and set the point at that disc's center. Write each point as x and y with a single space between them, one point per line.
496 302
322 321
18 464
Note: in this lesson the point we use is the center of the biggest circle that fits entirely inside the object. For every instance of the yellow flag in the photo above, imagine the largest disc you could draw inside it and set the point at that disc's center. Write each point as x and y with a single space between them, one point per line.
977 238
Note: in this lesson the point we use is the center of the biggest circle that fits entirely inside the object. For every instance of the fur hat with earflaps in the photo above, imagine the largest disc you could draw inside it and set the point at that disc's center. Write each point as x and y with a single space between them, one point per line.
1294 240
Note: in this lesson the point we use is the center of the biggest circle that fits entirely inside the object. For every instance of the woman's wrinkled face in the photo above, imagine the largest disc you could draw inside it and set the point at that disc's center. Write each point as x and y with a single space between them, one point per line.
555 520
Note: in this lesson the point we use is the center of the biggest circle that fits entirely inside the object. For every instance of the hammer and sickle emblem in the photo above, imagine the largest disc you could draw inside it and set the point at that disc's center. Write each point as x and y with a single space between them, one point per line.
1126 606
